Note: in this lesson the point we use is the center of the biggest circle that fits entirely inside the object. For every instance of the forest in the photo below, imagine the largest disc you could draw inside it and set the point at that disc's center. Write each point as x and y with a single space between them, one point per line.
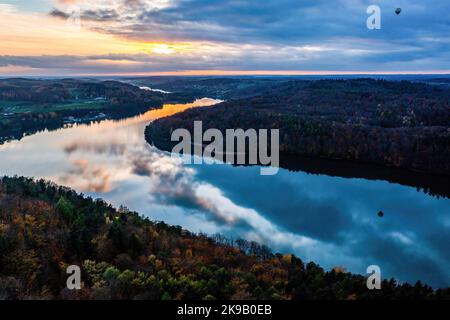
398 124
225 88
44 228
50 92
28 106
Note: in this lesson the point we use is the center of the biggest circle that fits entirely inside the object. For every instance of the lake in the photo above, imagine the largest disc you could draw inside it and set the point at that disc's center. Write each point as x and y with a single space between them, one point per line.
327 218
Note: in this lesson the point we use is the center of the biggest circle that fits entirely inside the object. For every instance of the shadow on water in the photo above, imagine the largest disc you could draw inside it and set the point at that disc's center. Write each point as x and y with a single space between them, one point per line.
312 213
433 185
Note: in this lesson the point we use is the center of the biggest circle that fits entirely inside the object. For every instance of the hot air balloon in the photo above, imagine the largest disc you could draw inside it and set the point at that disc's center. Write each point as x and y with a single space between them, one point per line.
398 10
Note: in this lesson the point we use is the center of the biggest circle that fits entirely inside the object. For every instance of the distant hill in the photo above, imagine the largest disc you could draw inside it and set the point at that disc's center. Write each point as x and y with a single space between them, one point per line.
28 105
225 88
72 90
392 123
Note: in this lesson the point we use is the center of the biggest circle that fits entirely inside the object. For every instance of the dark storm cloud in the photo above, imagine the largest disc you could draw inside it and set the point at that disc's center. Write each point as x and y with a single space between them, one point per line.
415 40
268 35
100 15
105 63
280 21
275 21
90 15
38 61
59 14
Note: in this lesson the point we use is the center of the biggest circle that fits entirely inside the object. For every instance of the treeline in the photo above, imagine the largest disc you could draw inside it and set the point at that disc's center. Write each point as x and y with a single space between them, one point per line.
70 90
398 124
44 228
192 88
15 127
48 102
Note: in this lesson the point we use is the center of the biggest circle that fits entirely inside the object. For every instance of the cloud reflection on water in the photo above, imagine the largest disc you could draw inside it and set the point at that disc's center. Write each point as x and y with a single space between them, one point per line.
329 220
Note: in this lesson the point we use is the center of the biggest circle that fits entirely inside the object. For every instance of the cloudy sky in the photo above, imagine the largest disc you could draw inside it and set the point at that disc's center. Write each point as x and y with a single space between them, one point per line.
137 37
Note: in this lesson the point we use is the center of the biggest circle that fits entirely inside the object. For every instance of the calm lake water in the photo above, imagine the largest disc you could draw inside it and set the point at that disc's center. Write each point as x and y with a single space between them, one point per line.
330 220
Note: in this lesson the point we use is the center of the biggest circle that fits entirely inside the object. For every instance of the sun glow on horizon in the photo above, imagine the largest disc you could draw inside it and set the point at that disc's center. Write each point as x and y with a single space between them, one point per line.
40 43
162 48
264 73
33 34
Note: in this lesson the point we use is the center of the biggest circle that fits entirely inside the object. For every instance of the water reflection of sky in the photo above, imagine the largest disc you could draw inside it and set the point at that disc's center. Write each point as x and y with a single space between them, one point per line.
330 220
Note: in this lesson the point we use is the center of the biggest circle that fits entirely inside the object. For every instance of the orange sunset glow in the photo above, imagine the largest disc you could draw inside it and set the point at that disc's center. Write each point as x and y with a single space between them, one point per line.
156 37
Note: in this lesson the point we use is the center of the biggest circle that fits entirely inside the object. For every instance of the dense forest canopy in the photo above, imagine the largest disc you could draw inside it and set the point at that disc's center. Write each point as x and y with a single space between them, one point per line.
393 123
66 90
28 105
44 228
226 88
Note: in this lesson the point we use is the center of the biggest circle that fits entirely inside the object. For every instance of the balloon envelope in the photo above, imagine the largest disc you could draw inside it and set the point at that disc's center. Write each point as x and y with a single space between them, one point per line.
398 10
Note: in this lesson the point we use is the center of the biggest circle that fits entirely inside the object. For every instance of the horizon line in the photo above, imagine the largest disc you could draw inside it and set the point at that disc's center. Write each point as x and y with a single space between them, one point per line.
234 73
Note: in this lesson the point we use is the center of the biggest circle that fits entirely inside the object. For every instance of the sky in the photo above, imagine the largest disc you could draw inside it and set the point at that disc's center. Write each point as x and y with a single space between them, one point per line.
209 37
